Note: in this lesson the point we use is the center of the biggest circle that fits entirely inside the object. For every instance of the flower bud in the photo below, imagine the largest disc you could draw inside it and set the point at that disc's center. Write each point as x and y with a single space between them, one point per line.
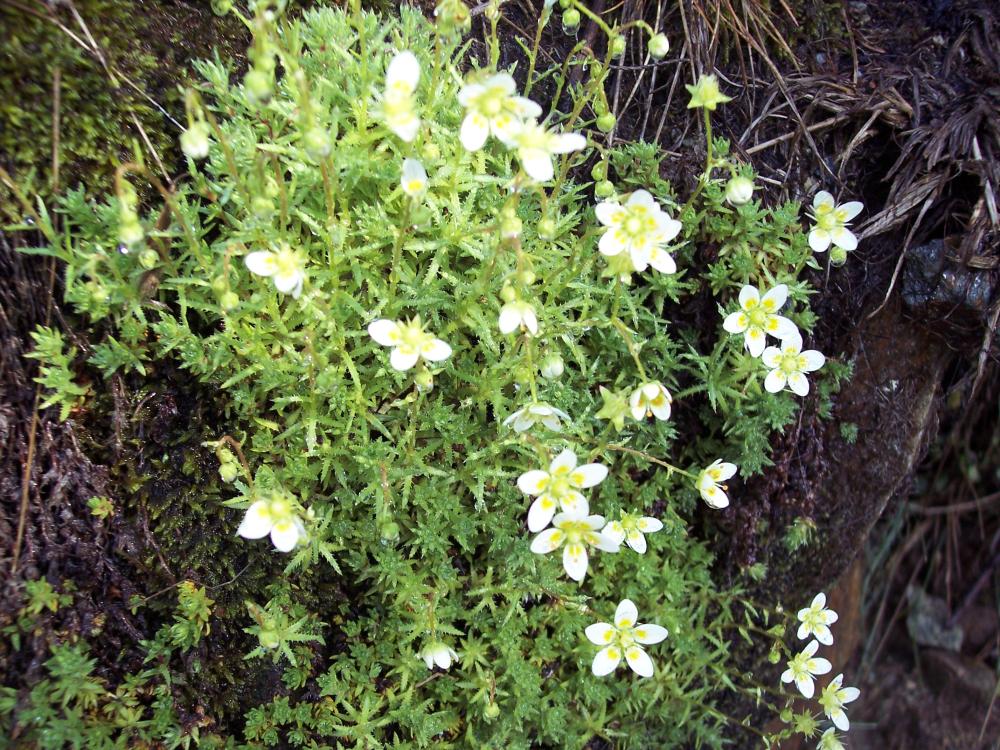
510 226
221 7
739 190
317 143
571 19
258 86
618 46
659 45
229 300
527 277
452 16
424 381
547 228
389 531
838 256
492 11
194 140
507 293
604 189
552 366
491 711
229 472
268 638
97 292
606 122
599 171
219 284
430 152
130 232
148 258
262 207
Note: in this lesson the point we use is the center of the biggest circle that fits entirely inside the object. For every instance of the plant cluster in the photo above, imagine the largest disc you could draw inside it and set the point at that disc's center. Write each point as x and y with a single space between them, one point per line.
435 343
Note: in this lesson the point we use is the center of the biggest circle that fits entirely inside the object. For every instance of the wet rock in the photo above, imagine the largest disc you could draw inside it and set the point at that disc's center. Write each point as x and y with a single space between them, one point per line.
939 288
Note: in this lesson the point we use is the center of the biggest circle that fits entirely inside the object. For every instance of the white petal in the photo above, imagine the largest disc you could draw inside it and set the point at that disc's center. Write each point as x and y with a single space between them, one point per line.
726 470
510 318
754 339
811 648
626 614
819 240
589 475
848 694
284 535
662 261
288 282
799 384
844 238
637 541
475 130
839 719
822 198
564 143
256 522
792 344
715 497
435 350
537 163
649 634
661 410
668 228
442 657
428 658
775 299
261 262
385 332
573 502
606 661
564 463
642 198
547 541
640 662
813 360
805 685
649 525
748 295
818 602
615 532
403 359
611 242
824 635
540 513
600 633
608 213
403 72
847 211
775 381
575 561
605 543
524 108
781 327
819 665
736 322
533 482
771 357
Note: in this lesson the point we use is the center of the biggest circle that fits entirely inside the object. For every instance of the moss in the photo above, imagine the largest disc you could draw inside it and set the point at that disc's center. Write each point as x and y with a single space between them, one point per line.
150 51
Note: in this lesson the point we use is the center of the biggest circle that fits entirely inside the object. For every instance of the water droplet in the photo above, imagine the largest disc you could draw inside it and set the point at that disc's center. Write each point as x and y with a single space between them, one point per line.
123 248
29 221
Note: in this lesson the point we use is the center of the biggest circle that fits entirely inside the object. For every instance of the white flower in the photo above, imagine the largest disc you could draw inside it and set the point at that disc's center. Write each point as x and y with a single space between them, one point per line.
578 531
789 365
641 228
518 314
710 483
816 620
803 667
561 486
739 190
757 317
524 419
409 342
414 178
624 637
438 653
398 108
631 530
831 223
276 517
195 140
650 400
833 698
536 146
492 108
284 265
830 741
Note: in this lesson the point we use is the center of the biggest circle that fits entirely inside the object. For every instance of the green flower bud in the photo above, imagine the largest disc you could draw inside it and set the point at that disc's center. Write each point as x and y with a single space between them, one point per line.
229 300
389 531
149 258
491 711
659 45
268 638
510 226
739 190
599 171
97 292
221 7
786 715
565 4
604 189
430 152
571 19
229 472
220 284
194 140
552 366
547 228
492 11
507 293
317 143
618 46
130 232
452 16
838 256
424 381
262 207
527 277
258 86
606 122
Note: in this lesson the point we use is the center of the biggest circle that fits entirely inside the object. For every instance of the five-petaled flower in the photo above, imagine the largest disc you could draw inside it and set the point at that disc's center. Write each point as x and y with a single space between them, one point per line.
624 637
832 699
284 265
578 531
705 93
831 223
559 486
398 108
803 666
710 481
438 653
640 228
536 146
275 516
414 178
409 342
491 107
758 317
816 620
650 399
518 314
526 418
789 364
631 529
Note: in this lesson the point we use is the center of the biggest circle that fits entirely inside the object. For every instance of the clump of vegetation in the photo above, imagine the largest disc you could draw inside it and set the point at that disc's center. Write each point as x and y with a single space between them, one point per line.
463 390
